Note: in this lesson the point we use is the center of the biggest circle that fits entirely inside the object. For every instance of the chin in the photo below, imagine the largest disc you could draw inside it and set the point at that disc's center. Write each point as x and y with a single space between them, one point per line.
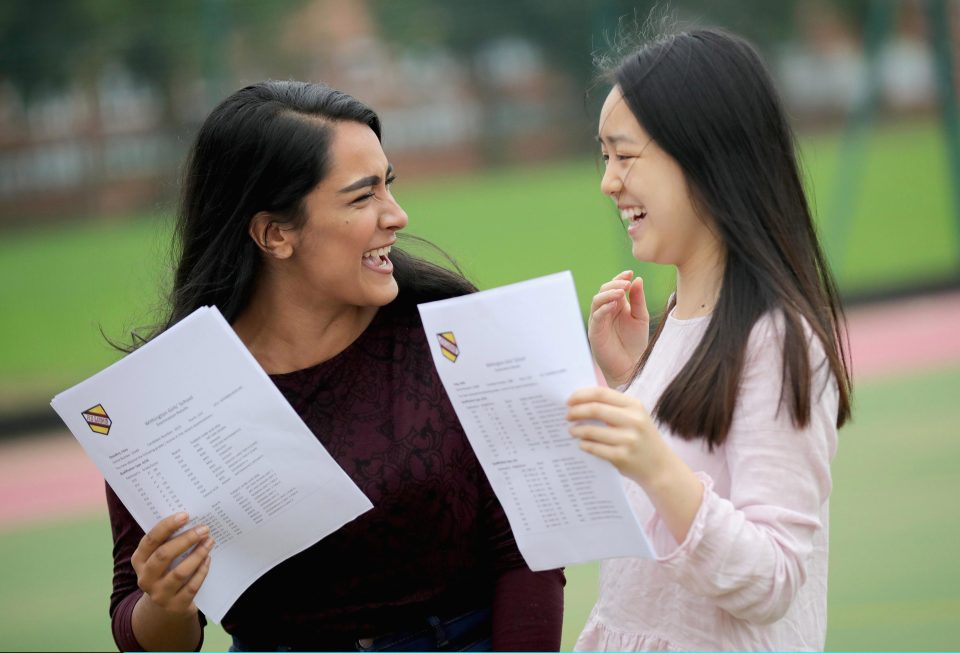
385 295
642 255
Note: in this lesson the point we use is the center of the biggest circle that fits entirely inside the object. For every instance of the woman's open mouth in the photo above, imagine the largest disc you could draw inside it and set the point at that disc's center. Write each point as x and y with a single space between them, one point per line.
633 214
378 259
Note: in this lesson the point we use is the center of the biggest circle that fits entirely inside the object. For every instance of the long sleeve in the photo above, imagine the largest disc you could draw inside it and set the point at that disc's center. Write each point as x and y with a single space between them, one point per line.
749 552
528 610
126 537
527 605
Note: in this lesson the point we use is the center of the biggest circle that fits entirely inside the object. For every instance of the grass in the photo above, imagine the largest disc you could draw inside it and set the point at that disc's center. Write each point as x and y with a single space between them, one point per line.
894 521
893 574
63 282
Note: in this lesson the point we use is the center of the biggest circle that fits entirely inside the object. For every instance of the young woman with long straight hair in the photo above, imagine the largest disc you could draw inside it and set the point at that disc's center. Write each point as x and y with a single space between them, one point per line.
289 226
724 421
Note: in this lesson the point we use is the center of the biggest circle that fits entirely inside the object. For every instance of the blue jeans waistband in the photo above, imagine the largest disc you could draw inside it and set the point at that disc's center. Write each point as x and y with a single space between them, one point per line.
470 631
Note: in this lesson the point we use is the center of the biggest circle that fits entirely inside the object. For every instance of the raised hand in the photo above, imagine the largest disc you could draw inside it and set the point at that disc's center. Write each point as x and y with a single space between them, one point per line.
619 326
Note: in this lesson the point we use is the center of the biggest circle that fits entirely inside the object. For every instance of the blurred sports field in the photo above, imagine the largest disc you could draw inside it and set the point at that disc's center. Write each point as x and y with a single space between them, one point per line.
62 282
894 518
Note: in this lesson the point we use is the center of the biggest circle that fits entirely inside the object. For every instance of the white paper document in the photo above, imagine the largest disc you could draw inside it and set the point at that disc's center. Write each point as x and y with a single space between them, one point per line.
190 422
509 358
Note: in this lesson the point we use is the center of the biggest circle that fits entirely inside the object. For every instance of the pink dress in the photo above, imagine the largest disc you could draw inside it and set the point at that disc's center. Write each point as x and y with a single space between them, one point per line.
752 571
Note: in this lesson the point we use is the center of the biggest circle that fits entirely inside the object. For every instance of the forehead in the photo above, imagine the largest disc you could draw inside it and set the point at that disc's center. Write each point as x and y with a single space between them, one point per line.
617 121
355 151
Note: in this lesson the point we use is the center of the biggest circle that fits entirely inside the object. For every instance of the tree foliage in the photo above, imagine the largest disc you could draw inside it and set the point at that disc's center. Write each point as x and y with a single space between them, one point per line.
46 44
570 31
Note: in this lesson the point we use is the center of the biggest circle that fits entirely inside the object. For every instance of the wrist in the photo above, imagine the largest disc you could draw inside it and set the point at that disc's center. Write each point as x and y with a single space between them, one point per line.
676 493
669 475
157 628
613 380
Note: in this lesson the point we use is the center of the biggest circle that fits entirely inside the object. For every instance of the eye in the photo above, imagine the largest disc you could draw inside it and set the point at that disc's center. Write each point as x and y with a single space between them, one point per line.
363 198
618 157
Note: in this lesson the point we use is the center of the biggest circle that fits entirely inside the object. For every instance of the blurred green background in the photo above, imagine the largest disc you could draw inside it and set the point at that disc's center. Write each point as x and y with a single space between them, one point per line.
70 281
486 121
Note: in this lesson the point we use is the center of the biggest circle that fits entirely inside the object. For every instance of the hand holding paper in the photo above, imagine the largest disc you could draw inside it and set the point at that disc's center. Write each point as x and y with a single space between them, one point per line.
509 359
190 422
173 586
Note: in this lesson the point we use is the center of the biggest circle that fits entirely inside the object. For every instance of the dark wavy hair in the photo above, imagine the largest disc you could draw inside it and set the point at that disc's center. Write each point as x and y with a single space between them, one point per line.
265 148
706 98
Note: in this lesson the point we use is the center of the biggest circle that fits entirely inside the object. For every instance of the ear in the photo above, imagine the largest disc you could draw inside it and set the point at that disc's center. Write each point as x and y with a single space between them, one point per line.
272 237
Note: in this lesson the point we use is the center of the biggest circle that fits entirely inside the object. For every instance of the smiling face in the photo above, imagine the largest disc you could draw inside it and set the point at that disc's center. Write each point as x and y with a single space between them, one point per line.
340 255
649 189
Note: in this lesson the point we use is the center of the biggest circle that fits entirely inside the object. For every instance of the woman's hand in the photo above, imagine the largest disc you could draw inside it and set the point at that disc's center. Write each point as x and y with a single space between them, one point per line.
172 589
623 433
619 326
619 430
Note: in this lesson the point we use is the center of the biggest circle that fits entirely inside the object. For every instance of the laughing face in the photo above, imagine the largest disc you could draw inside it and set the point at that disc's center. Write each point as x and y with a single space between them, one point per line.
649 188
341 254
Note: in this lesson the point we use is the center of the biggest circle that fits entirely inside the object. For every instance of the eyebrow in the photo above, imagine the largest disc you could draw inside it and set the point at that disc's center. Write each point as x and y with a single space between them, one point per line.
615 138
364 182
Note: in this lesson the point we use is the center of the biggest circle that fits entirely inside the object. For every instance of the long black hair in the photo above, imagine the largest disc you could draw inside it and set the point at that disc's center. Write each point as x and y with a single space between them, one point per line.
264 148
707 100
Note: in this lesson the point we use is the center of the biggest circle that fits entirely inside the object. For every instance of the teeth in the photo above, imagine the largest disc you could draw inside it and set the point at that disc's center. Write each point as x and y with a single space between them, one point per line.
632 213
383 251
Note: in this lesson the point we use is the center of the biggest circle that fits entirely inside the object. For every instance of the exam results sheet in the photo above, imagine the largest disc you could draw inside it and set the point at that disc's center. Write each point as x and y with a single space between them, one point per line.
509 358
190 422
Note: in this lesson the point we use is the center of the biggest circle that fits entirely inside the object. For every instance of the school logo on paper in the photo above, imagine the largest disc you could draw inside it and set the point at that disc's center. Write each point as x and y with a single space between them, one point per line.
98 420
448 346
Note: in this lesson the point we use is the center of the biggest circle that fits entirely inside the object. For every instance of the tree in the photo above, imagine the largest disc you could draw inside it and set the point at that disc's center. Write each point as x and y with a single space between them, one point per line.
47 44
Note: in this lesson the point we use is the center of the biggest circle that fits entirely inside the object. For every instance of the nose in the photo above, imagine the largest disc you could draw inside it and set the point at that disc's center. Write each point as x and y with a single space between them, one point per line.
611 184
393 218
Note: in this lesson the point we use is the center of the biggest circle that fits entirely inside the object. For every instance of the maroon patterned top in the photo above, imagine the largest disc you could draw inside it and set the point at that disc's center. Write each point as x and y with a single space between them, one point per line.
435 542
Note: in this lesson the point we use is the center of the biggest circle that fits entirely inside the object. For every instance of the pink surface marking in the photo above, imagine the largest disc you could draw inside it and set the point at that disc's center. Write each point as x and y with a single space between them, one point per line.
43 478
918 334
46 477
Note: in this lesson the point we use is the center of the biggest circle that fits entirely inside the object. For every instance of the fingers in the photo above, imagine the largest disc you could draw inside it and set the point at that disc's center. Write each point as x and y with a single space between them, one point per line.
601 434
638 302
156 537
610 453
616 291
603 395
612 296
153 576
180 575
163 584
618 416
619 282
184 598
187 577
161 559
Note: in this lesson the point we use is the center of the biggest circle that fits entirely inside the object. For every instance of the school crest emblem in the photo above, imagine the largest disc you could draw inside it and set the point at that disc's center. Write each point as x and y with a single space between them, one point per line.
98 420
448 346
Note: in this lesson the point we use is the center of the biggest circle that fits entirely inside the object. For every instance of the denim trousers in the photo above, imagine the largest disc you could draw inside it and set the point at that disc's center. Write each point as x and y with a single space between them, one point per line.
471 631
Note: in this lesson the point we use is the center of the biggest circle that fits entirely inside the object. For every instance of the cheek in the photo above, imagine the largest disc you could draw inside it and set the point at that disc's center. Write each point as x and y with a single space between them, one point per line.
681 208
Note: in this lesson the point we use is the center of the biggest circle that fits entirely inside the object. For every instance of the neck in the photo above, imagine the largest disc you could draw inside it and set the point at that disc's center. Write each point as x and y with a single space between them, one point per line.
285 333
698 283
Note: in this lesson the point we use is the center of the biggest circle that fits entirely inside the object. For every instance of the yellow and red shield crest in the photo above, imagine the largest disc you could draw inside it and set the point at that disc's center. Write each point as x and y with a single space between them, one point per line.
448 346
98 420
